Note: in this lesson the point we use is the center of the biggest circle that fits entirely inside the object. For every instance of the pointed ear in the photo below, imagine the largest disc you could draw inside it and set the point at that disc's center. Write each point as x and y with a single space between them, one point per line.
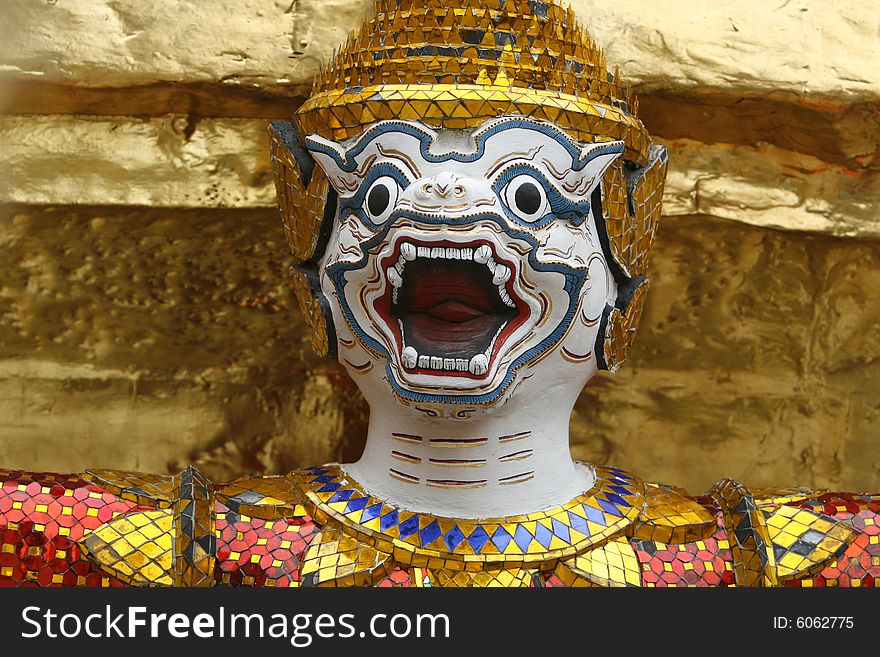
333 160
594 160
305 199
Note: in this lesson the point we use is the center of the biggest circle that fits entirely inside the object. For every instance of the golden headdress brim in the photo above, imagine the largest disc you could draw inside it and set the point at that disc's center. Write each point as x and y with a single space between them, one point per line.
456 67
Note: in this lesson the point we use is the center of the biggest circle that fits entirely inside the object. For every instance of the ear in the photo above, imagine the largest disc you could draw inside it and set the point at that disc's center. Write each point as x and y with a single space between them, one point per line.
307 206
334 162
305 200
593 161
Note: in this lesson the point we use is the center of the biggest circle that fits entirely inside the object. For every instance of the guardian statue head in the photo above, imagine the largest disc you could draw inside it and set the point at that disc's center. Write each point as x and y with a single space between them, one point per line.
471 201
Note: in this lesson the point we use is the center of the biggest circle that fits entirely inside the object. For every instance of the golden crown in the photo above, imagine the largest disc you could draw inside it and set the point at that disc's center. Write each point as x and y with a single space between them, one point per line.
457 66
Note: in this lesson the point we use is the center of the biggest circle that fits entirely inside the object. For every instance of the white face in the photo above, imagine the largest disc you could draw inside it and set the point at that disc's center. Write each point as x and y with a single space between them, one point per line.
465 268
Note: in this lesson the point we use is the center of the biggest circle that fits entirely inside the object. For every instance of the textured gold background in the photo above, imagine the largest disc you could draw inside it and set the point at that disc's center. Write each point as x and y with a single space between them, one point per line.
146 318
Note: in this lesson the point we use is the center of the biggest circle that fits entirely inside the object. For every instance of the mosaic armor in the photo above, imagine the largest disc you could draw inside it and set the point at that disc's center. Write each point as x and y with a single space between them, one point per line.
471 202
316 527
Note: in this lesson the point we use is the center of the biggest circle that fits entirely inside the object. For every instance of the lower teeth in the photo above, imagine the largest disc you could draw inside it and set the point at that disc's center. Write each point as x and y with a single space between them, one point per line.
477 365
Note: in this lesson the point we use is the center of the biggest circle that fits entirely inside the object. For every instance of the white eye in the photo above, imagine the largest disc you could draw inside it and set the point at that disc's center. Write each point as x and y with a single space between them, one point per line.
526 198
380 199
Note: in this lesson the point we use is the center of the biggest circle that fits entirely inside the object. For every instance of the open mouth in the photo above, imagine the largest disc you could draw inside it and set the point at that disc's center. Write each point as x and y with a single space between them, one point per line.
452 306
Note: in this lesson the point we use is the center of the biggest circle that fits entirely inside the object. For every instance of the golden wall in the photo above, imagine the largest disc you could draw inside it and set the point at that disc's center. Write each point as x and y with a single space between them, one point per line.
146 318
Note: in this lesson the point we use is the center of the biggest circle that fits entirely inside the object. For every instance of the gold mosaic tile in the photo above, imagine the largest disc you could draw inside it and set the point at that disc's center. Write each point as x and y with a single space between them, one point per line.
317 316
456 66
175 545
195 538
803 541
669 517
269 498
336 559
136 548
772 544
489 577
621 329
146 489
754 562
778 496
631 233
612 564
301 195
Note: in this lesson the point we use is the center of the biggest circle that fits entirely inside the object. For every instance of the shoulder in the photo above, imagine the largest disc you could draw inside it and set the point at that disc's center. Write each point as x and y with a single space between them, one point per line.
115 528
766 537
252 531
660 547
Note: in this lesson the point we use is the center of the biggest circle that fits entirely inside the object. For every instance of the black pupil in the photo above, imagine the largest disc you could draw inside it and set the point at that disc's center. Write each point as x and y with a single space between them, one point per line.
528 198
377 200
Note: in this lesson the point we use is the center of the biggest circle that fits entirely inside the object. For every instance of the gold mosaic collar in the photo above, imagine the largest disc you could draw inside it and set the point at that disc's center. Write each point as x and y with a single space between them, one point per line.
334 499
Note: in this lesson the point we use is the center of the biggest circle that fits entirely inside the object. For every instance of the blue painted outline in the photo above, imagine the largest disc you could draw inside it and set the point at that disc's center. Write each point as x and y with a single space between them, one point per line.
426 138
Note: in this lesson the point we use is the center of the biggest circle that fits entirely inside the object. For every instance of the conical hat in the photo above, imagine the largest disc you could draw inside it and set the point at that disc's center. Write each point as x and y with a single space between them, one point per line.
457 65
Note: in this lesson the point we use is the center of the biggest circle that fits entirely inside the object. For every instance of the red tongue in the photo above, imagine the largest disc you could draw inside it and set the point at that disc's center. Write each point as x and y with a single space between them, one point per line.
453 311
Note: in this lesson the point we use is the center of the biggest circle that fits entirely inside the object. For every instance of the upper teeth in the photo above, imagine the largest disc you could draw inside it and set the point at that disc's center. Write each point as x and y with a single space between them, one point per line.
483 255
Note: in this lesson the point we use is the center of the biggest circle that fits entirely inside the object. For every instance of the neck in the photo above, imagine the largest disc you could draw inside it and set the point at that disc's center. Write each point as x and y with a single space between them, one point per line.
499 465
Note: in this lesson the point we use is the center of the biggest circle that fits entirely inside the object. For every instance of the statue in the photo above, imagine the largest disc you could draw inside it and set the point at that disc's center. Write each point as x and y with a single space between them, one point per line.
471 201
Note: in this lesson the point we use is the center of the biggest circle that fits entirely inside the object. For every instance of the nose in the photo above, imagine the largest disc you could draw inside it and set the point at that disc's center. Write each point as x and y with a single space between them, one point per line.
448 194
443 187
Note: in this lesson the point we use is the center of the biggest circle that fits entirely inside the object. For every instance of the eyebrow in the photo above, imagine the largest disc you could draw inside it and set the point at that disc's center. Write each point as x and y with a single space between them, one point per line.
399 155
345 157
509 157
559 175
361 171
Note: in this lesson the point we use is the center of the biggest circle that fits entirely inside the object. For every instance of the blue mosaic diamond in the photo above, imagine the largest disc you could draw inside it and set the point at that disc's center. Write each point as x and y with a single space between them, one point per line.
453 537
371 512
609 507
561 530
522 537
543 535
329 488
621 490
409 526
341 496
388 521
614 498
501 538
430 534
578 523
326 479
356 505
594 515
478 538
